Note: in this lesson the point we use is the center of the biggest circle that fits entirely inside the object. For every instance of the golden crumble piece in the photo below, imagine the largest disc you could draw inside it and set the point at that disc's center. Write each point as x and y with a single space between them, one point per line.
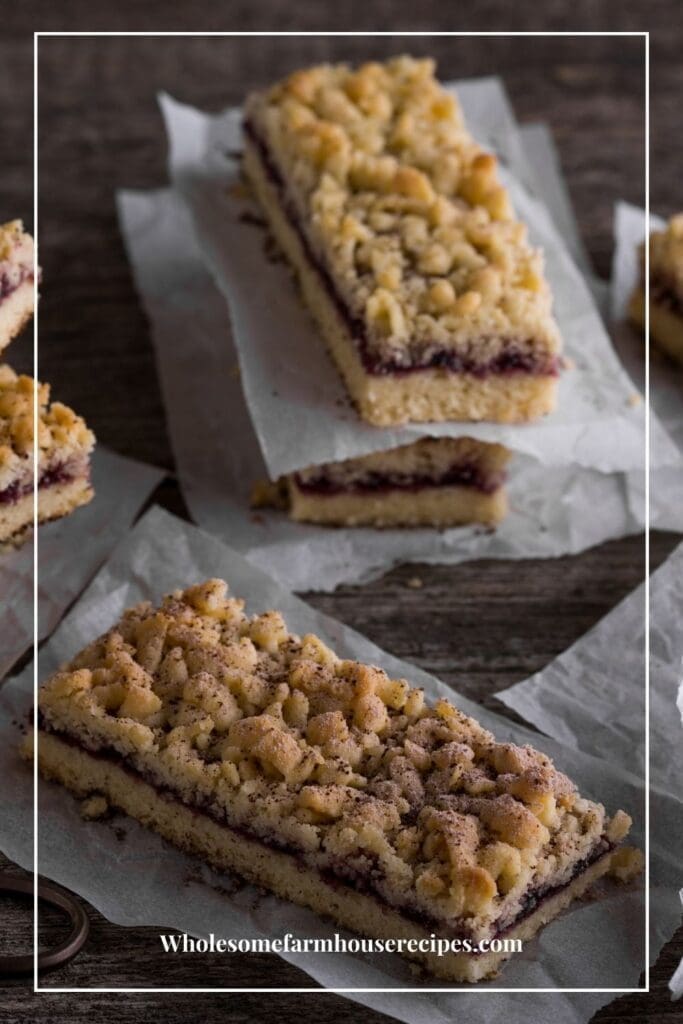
94 807
16 412
17 280
405 219
16 246
62 470
666 289
627 863
666 254
351 771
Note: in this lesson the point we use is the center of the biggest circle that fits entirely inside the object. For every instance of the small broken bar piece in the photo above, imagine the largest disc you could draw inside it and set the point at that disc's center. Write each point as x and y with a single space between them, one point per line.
666 289
64 447
434 482
321 778
17 280
428 295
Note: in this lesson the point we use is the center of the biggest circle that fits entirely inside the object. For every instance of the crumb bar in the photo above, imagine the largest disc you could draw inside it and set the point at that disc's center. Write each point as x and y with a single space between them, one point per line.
17 280
437 482
666 289
431 300
64 447
320 778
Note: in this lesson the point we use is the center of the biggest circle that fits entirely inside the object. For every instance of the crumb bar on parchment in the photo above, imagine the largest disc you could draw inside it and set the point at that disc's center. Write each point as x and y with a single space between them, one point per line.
666 289
437 482
17 280
64 447
432 302
322 779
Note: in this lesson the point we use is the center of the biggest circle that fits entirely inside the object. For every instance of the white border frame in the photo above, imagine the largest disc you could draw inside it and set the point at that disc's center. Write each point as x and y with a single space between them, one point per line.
645 36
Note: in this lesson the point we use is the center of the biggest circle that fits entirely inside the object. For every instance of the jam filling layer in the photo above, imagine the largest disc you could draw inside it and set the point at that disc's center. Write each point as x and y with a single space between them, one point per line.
60 474
514 360
463 474
340 874
535 898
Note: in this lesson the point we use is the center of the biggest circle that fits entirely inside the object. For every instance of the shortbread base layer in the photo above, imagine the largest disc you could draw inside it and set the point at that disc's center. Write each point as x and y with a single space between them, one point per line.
280 872
418 396
438 507
666 327
16 309
54 502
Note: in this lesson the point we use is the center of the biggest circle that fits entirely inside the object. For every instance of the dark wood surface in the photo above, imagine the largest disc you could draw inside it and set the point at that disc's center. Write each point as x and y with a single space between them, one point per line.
480 626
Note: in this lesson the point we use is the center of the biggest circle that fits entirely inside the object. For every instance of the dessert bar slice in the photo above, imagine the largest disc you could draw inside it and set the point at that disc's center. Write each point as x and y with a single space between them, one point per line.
64 446
435 482
423 284
666 289
320 778
17 277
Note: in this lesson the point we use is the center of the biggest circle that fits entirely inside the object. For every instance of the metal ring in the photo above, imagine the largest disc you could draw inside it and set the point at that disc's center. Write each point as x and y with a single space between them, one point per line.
12 966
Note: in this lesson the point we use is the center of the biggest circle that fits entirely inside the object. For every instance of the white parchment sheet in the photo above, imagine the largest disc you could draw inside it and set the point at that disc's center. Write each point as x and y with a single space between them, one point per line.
569 701
547 182
142 881
666 377
297 401
554 511
69 551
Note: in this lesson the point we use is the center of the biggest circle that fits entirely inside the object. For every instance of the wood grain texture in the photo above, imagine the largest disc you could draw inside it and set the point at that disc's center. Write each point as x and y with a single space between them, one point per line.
479 626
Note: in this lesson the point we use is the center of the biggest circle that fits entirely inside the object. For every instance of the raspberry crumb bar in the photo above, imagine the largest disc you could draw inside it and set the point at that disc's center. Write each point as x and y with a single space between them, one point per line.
431 300
666 289
322 779
17 276
64 446
436 482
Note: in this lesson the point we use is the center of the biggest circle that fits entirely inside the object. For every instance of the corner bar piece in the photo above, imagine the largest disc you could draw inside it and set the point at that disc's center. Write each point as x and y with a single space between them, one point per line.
431 300
17 280
321 778
666 289
64 447
434 482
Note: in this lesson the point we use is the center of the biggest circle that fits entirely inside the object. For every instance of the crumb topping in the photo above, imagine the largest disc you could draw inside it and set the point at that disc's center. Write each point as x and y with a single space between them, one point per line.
327 757
405 210
16 256
666 256
94 807
62 435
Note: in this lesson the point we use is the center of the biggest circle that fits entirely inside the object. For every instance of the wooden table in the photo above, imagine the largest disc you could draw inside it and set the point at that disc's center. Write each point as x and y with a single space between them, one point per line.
480 626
